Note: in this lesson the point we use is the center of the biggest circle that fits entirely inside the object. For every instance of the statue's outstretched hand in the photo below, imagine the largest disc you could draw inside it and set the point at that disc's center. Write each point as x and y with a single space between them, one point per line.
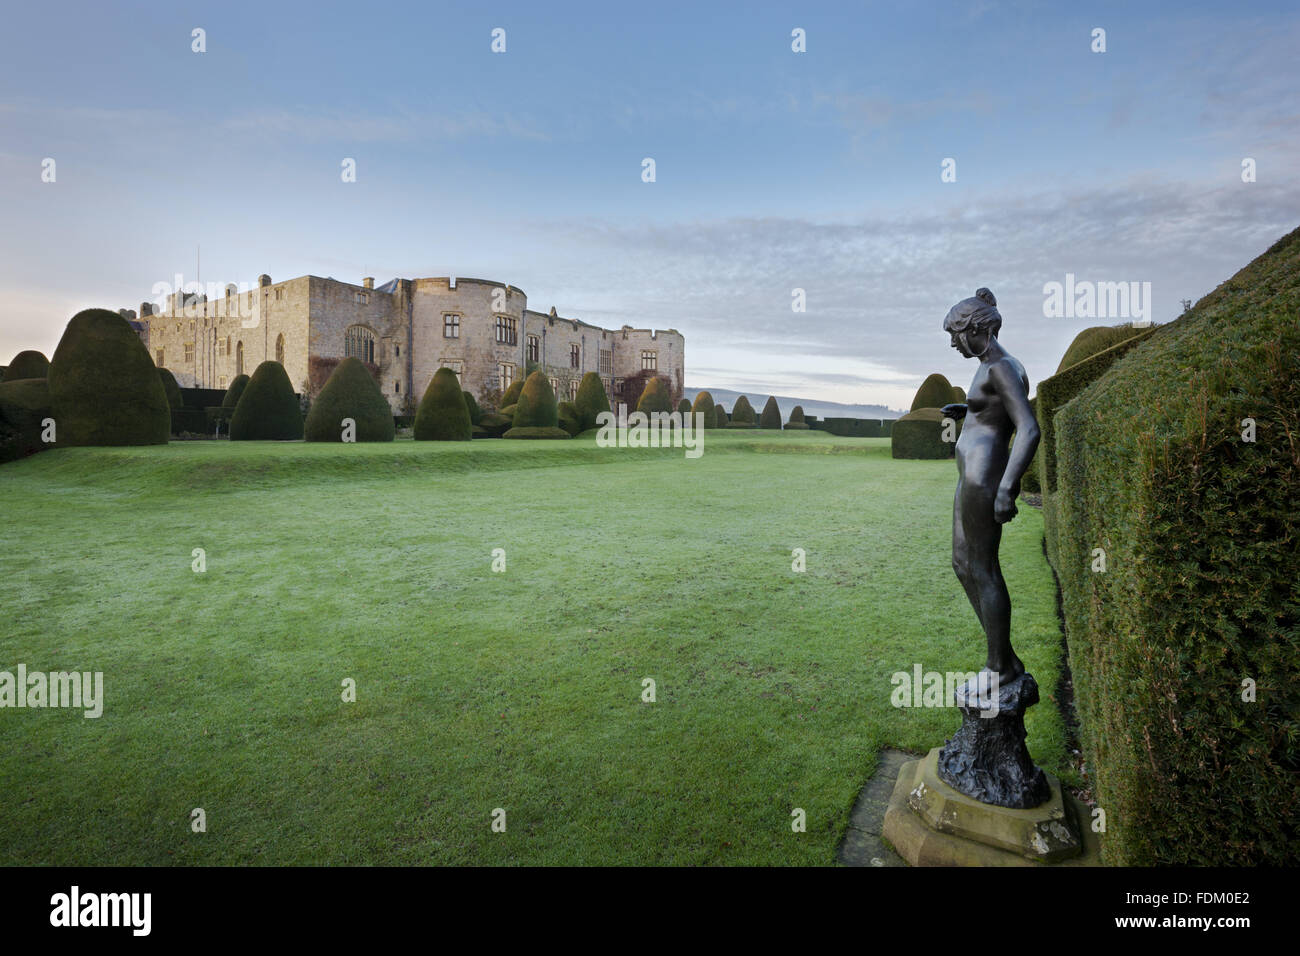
956 411
1004 506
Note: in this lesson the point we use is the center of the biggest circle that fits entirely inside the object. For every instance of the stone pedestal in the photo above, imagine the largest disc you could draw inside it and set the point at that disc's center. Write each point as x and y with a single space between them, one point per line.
987 759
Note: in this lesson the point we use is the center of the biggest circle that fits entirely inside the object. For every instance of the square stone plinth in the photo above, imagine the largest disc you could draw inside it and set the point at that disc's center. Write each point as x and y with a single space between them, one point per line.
931 824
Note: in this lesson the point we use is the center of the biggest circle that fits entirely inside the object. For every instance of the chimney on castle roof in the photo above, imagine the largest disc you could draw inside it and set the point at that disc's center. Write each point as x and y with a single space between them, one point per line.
368 282
263 279
146 308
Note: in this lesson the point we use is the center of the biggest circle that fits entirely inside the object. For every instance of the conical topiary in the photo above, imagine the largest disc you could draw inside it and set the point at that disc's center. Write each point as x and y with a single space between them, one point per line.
935 392
443 414
28 364
231 398
771 417
655 398
474 412
591 400
721 417
742 413
536 412
796 422
268 409
104 388
512 393
705 406
351 392
173 390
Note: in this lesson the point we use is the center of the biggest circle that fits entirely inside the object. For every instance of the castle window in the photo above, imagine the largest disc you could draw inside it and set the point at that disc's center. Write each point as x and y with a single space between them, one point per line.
507 330
277 295
279 348
359 342
573 389
606 365
649 359
398 350
534 348
608 383
189 352
397 387
239 358
505 375
158 357
362 297
575 356
451 326
221 382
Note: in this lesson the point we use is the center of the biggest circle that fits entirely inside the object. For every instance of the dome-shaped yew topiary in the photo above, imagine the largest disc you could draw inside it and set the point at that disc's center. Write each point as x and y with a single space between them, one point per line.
512 393
231 398
591 400
958 395
796 422
655 397
771 417
742 413
24 407
720 416
536 412
268 410
568 418
935 392
705 406
175 401
351 392
475 413
684 408
443 414
104 388
28 364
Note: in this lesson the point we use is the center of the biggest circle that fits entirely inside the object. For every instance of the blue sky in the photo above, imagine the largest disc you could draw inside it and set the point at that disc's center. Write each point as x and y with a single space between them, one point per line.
775 170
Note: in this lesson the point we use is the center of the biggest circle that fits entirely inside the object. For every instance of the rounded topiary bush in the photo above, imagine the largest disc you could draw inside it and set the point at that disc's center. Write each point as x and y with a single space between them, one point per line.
742 414
104 388
475 413
771 417
493 425
935 392
655 397
512 394
796 422
351 392
591 400
705 405
1096 339
569 419
27 364
24 405
720 417
236 389
174 399
536 412
919 434
443 414
268 410
958 395
684 408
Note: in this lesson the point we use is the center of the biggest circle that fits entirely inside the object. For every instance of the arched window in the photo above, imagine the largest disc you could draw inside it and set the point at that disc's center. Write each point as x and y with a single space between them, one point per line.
279 348
359 342
239 358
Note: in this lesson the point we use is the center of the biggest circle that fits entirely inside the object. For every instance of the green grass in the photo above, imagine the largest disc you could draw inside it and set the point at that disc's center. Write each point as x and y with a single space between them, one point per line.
478 690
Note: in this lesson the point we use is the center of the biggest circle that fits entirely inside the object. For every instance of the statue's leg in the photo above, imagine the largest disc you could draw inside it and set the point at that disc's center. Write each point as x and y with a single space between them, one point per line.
961 556
983 537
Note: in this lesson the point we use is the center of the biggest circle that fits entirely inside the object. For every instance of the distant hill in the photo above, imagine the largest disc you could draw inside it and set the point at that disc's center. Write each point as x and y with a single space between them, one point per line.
811 406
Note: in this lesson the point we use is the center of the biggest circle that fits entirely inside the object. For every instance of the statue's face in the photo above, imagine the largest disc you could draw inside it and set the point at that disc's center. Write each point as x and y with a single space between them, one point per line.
970 342
961 344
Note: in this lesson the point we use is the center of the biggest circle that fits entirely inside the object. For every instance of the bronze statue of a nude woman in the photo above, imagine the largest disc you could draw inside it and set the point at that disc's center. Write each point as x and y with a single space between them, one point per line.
988 474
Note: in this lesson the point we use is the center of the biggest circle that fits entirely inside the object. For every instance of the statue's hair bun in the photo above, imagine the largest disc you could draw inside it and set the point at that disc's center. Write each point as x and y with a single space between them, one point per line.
984 295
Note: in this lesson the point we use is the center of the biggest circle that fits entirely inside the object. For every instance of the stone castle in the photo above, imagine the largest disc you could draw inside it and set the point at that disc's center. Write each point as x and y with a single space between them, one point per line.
405 329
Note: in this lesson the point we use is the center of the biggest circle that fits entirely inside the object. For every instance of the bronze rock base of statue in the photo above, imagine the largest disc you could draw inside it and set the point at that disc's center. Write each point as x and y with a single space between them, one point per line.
987 759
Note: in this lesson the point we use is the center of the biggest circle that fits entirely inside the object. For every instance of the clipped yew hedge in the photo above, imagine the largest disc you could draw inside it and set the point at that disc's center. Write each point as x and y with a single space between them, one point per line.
796 422
475 413
1199 600
268 409
443 414
742 413
512 394
27 364
771 417
24 405
919 434
567 417
351 392
236 389
1097 339
536 413
104 387
1060 388
655 397
172 388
